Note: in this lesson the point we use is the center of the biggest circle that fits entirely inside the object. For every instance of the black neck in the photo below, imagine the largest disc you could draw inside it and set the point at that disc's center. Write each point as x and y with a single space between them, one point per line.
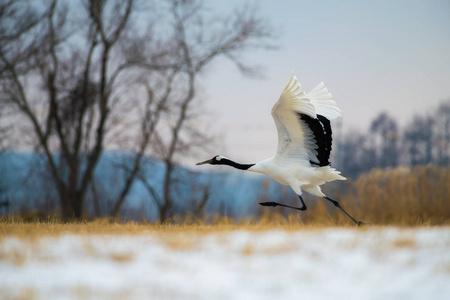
236 165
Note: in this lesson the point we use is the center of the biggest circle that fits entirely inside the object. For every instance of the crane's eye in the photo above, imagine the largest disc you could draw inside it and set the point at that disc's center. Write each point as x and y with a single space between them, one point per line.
219 157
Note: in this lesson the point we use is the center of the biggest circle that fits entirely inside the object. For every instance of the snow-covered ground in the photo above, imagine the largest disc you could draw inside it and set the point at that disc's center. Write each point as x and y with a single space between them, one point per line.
373 263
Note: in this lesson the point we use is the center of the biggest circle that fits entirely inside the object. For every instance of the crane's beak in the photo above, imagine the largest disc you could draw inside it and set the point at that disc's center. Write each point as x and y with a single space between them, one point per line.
204 162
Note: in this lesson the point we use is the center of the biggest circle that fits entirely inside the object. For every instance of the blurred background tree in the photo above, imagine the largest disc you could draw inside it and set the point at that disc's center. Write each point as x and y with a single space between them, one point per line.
111 74
425 140
385 134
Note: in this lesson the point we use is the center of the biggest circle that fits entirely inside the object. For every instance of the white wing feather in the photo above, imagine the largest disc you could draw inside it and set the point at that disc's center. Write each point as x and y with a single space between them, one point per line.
293 135
323 102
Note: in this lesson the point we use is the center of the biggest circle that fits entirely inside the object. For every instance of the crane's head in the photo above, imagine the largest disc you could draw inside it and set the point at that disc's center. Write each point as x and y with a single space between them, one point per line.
216 160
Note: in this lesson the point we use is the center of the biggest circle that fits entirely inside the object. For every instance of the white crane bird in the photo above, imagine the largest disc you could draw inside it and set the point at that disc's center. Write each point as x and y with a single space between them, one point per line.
304 144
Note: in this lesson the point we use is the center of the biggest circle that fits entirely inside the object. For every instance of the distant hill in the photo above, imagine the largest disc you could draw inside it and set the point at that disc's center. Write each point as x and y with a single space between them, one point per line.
27 185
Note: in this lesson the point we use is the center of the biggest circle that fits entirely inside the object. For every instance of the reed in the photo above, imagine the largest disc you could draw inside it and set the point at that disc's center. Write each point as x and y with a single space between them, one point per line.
400 196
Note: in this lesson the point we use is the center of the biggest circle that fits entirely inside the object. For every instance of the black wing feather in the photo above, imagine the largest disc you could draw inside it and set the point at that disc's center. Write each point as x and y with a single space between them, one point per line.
321 129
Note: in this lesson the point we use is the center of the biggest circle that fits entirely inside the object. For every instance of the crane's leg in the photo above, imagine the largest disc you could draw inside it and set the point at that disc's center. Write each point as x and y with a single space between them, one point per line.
359 223
273 204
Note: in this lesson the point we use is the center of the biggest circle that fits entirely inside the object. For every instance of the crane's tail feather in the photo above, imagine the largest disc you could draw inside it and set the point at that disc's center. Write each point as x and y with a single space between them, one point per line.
328 173
323 102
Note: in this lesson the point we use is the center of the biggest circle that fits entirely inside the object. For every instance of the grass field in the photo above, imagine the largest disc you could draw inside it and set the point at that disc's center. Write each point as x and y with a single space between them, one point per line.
225 260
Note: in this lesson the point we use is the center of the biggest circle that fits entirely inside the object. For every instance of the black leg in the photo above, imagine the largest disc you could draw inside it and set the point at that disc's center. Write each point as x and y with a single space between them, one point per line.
273 204
359 223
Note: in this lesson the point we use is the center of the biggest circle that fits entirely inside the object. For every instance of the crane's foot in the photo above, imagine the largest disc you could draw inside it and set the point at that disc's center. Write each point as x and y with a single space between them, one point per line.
272 204
361 224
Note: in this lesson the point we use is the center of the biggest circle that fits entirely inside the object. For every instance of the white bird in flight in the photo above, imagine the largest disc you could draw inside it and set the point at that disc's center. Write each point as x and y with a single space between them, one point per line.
304 144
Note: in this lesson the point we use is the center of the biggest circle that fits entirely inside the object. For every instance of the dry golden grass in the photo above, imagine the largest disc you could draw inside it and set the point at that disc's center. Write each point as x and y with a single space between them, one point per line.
402 196
121 257
104 226
404 242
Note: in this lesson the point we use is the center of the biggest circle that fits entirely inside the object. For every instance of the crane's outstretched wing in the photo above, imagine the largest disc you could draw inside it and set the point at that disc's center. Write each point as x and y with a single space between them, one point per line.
302 120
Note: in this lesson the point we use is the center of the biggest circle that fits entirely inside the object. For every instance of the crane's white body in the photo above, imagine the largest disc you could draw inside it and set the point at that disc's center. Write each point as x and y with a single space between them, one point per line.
298 177
297 148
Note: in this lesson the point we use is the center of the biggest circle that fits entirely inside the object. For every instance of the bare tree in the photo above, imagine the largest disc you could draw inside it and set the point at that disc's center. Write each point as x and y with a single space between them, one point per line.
152 113
384 131
357 154
427 138
81 82
196 41
442 134
419 140
68 108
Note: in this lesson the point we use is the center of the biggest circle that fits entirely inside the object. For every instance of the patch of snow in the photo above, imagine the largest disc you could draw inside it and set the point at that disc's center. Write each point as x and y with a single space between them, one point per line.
339 263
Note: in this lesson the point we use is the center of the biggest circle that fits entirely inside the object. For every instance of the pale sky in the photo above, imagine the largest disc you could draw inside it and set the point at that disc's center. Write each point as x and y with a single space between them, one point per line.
373 56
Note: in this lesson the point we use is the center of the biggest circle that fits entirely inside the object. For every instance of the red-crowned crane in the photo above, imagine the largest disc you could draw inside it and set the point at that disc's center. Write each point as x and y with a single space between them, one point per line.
304 144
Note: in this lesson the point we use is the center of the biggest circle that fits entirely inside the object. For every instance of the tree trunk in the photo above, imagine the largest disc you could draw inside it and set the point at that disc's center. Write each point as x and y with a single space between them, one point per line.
72 206
164 209
163 212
